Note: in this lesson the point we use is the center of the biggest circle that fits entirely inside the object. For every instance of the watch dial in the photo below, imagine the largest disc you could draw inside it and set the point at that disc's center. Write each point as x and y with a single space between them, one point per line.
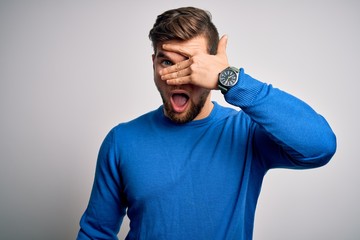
228 78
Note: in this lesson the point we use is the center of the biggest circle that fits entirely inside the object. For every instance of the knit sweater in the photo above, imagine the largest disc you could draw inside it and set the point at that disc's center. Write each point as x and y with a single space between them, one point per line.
202 179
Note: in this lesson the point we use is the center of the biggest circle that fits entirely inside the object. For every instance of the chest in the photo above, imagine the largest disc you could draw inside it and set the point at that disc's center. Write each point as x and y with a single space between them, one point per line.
158 163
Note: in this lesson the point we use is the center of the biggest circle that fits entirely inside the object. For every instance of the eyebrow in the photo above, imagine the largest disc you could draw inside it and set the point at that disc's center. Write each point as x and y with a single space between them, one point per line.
163 54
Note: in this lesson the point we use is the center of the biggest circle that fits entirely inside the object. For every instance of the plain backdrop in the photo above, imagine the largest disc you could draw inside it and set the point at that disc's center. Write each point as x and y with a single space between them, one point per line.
71 70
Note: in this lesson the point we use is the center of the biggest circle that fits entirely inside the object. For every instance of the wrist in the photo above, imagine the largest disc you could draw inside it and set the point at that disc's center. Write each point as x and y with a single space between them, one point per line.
227 79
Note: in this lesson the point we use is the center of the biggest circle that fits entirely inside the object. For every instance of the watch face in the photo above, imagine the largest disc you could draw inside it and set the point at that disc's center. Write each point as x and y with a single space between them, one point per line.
228 77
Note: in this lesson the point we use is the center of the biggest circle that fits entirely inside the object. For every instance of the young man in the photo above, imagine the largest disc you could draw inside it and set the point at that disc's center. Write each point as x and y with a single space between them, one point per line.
193 169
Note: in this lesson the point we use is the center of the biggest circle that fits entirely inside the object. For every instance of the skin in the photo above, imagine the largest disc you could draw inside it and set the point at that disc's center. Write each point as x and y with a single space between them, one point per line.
187 68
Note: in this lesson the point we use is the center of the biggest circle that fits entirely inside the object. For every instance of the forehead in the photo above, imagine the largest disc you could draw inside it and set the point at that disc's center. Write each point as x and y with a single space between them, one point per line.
198 44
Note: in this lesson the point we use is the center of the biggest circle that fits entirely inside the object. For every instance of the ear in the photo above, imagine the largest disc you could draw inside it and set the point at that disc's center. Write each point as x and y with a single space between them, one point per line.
153 59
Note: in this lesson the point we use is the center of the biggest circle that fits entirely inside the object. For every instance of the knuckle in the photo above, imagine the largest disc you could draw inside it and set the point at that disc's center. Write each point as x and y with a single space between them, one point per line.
195 59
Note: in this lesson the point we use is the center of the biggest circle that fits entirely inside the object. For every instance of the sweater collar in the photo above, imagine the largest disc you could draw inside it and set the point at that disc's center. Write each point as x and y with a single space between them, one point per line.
166 120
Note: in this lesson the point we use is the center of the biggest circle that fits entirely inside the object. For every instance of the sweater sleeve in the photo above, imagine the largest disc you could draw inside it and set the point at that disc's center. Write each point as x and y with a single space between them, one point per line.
107 206
288 132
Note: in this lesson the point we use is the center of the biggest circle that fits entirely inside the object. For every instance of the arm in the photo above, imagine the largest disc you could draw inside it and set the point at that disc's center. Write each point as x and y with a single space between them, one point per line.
106 208
302 137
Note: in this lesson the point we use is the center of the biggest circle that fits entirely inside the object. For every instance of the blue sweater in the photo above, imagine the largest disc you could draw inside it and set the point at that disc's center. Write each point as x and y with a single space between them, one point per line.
202 179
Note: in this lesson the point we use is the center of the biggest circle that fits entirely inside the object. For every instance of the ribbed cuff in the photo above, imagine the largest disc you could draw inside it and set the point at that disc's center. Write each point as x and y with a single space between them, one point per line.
246 91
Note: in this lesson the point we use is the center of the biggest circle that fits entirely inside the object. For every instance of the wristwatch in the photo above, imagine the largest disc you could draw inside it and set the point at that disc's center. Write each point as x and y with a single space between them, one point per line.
228 78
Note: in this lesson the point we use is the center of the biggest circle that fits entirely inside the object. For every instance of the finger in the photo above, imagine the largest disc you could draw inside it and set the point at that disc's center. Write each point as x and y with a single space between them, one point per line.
179 81
176 67
177 74
187 52
221 49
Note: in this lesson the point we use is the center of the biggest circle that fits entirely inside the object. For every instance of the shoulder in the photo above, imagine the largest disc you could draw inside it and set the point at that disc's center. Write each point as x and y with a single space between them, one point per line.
140 123
223 113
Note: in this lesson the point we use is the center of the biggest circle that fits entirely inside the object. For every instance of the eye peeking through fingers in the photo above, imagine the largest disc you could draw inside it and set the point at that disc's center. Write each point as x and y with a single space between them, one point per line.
166 63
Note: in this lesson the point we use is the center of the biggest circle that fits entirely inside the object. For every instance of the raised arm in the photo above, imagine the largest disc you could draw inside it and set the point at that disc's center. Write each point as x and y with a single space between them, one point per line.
295 128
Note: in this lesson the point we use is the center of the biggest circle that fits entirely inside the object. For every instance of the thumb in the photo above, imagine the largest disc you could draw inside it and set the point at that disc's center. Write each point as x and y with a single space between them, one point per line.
221 49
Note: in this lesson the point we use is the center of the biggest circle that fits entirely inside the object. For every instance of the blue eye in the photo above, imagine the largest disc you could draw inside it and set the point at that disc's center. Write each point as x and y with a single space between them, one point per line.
166 63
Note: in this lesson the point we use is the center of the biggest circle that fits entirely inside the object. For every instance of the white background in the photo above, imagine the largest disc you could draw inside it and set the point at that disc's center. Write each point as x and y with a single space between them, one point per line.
71 70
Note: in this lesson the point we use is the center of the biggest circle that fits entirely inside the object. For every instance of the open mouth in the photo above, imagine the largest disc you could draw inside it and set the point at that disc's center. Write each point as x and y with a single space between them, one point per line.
179 101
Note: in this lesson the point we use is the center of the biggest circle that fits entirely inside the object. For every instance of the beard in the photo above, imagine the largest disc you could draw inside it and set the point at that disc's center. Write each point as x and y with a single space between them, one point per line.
190 114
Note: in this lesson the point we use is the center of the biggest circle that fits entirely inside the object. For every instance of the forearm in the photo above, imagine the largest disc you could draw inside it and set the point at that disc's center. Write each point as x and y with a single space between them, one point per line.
291 123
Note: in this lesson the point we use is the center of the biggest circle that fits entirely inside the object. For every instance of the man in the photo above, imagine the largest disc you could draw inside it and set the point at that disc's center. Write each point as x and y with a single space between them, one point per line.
193 169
